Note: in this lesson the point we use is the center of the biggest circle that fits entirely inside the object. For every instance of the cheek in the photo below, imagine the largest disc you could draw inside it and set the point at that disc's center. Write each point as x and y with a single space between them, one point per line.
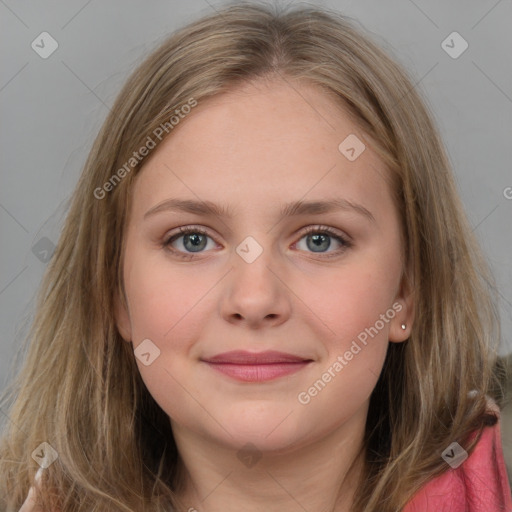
349 301
355 320
174 392
162 303
353 310
165 308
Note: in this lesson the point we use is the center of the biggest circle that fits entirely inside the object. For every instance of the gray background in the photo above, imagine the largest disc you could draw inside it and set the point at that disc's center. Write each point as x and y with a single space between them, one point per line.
52 108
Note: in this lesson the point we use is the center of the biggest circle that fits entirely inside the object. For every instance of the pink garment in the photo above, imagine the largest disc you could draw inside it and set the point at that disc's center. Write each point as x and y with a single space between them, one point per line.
479 484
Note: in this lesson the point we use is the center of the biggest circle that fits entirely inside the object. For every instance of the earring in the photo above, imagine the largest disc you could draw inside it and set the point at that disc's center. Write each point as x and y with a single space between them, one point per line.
404 327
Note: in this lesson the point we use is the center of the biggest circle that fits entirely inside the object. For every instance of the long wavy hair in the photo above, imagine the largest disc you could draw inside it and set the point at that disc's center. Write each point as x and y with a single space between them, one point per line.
79 388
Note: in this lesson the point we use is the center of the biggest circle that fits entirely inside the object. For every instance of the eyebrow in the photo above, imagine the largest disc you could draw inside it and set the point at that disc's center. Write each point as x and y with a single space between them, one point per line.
288 210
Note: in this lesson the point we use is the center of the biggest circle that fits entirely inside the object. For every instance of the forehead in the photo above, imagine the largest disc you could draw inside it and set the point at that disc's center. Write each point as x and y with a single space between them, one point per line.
261 143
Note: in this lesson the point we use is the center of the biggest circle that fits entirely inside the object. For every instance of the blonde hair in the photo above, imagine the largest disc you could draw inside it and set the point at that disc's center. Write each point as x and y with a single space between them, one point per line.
79 388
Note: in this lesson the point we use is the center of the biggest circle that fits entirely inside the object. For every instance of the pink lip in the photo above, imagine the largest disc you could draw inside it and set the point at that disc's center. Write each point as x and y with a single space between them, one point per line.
256 367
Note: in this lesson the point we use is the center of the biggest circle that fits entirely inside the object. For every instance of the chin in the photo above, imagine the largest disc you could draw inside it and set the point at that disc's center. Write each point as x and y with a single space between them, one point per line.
271 430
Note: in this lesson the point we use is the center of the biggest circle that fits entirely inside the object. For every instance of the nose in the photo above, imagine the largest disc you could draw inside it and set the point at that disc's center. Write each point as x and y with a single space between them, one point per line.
256 293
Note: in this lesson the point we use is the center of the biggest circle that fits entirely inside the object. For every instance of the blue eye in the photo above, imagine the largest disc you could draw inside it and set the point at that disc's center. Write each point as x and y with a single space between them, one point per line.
195 241
320 236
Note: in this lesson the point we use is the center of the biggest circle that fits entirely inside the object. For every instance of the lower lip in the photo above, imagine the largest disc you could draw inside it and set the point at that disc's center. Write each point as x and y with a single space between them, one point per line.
258 372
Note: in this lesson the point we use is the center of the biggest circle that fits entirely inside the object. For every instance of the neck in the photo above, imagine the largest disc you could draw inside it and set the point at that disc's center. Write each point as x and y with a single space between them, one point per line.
321 475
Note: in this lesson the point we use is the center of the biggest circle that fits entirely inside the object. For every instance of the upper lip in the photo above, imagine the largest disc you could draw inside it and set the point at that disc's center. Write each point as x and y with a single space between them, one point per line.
244 357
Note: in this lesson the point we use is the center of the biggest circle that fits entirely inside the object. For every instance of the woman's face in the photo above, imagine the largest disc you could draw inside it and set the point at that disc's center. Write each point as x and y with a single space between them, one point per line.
257 281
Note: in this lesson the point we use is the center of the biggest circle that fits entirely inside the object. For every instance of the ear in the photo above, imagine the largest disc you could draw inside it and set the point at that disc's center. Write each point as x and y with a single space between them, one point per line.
404 308
122 317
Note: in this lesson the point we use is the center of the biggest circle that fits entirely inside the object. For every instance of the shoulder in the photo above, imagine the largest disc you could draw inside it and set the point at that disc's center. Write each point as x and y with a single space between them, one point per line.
479 484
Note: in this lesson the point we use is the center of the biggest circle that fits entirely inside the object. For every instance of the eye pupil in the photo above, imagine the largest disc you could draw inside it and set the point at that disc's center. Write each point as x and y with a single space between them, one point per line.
318 239
197 244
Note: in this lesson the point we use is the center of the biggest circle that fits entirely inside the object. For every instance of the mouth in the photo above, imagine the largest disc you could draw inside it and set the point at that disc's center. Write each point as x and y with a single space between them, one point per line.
256 367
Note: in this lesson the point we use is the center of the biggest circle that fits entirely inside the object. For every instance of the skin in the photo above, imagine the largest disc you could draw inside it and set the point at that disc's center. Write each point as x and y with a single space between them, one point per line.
255 148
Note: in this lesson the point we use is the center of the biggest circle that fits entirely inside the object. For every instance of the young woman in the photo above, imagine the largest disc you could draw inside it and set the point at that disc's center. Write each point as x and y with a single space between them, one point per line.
266 295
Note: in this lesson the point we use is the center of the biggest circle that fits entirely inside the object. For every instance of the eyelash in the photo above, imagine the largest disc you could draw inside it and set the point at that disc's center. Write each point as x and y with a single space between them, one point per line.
325 230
